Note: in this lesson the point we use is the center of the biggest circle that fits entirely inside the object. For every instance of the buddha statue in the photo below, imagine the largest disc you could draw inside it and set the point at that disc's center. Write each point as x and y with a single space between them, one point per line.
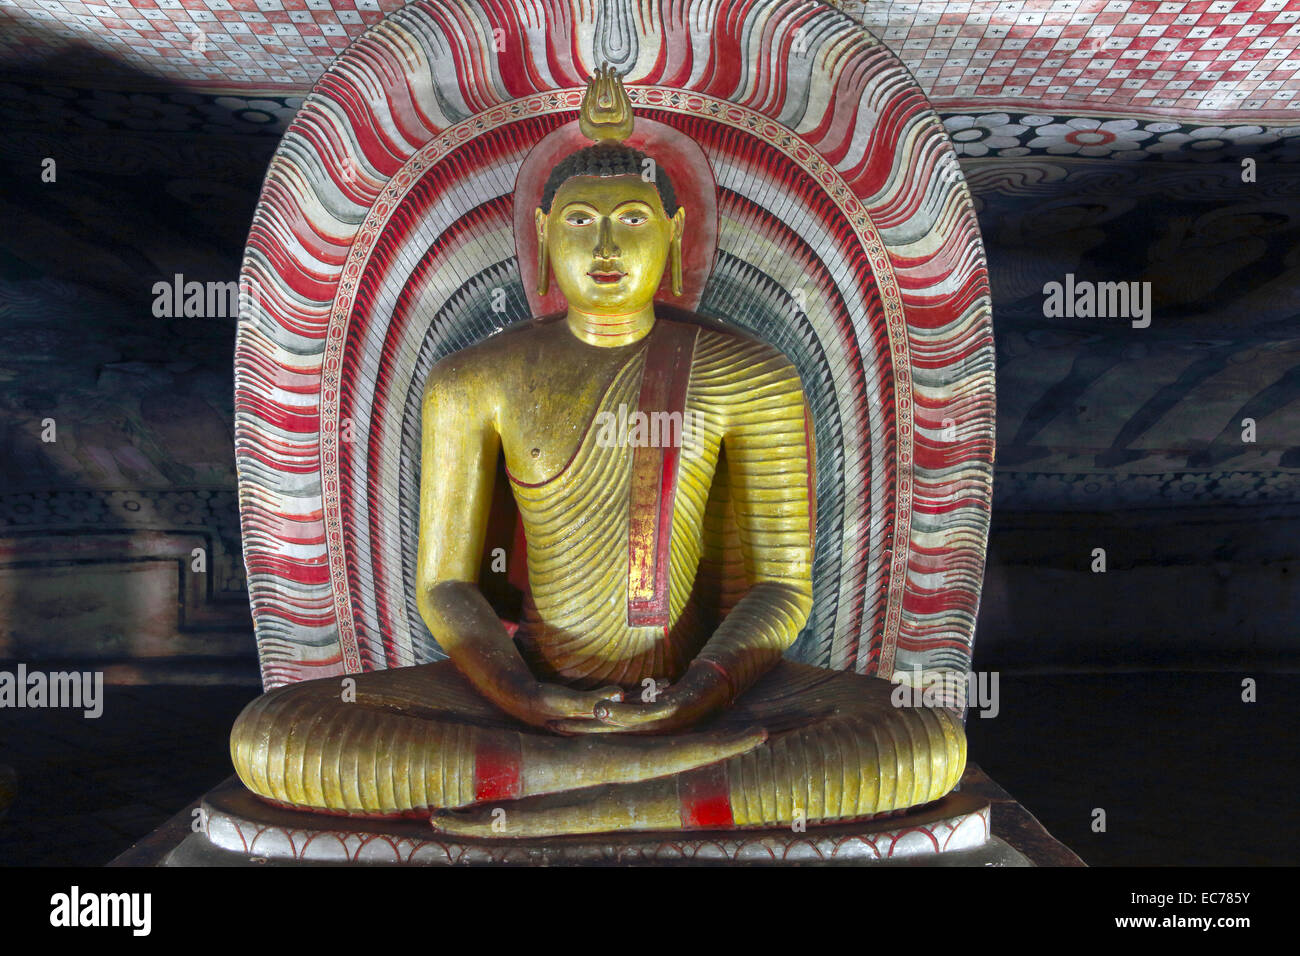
662 468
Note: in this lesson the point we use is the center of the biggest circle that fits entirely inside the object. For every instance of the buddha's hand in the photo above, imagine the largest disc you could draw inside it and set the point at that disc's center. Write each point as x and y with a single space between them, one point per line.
543 705
701 692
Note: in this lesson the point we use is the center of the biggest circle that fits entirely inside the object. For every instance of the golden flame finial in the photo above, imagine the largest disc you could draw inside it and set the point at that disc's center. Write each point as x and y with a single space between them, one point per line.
606 112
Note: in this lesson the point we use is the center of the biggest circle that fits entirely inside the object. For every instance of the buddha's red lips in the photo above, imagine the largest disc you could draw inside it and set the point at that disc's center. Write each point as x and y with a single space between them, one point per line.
606 277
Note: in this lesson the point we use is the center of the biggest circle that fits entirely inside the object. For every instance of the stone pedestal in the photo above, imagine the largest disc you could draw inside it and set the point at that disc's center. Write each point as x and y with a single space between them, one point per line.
236 829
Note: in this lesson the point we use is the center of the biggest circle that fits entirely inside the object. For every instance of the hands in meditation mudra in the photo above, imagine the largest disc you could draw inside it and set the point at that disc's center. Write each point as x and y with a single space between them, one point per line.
645 687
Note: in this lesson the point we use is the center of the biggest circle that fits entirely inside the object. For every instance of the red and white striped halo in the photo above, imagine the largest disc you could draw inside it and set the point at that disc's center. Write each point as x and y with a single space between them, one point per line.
386 237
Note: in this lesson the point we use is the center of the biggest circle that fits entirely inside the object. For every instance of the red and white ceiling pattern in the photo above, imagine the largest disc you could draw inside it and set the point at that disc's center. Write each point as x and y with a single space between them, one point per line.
1222 57
1220 62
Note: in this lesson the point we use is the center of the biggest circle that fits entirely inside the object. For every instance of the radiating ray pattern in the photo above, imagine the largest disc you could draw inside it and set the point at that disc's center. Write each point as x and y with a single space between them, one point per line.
845 238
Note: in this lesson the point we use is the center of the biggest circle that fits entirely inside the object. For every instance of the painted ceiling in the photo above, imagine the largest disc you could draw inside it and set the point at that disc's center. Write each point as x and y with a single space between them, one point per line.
1092 78
1221 59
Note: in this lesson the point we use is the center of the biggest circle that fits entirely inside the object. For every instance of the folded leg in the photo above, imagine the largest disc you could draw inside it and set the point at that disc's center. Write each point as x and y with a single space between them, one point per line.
838 750
410 740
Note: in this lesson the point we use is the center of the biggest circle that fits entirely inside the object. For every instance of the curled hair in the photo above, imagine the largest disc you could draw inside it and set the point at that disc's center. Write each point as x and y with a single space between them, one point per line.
607 159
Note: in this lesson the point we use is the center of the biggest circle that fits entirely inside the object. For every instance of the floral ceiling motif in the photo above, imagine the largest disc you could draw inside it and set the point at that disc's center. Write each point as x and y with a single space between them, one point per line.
1022 134
975 135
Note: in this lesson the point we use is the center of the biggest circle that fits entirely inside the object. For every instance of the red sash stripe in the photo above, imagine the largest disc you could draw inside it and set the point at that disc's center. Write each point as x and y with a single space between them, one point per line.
664 379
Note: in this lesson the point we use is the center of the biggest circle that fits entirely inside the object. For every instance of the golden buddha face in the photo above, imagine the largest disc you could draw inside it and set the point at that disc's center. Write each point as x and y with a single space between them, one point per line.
608 240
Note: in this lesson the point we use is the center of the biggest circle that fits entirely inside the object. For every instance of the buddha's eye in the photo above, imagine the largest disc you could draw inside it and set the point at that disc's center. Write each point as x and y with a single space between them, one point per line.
633 218
577 218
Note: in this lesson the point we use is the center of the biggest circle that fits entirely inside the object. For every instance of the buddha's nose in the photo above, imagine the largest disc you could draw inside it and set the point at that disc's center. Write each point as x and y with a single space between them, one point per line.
606 248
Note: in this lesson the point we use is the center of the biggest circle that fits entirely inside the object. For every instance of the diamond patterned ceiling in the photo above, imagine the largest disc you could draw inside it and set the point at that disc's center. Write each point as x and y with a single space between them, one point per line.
1219 60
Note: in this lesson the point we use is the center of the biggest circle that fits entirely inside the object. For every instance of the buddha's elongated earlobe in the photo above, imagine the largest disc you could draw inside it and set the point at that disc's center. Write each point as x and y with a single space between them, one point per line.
543 259
675 257
543 270
675 250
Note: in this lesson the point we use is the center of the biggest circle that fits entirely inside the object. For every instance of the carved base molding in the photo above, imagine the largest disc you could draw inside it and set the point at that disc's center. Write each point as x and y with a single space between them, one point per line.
243 829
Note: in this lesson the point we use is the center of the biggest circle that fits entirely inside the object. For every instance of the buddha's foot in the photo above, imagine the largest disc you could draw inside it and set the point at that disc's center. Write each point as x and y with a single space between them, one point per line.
653 806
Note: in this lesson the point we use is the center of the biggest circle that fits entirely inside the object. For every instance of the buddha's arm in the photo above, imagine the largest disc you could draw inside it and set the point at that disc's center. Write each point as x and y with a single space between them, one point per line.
459 447
768 466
